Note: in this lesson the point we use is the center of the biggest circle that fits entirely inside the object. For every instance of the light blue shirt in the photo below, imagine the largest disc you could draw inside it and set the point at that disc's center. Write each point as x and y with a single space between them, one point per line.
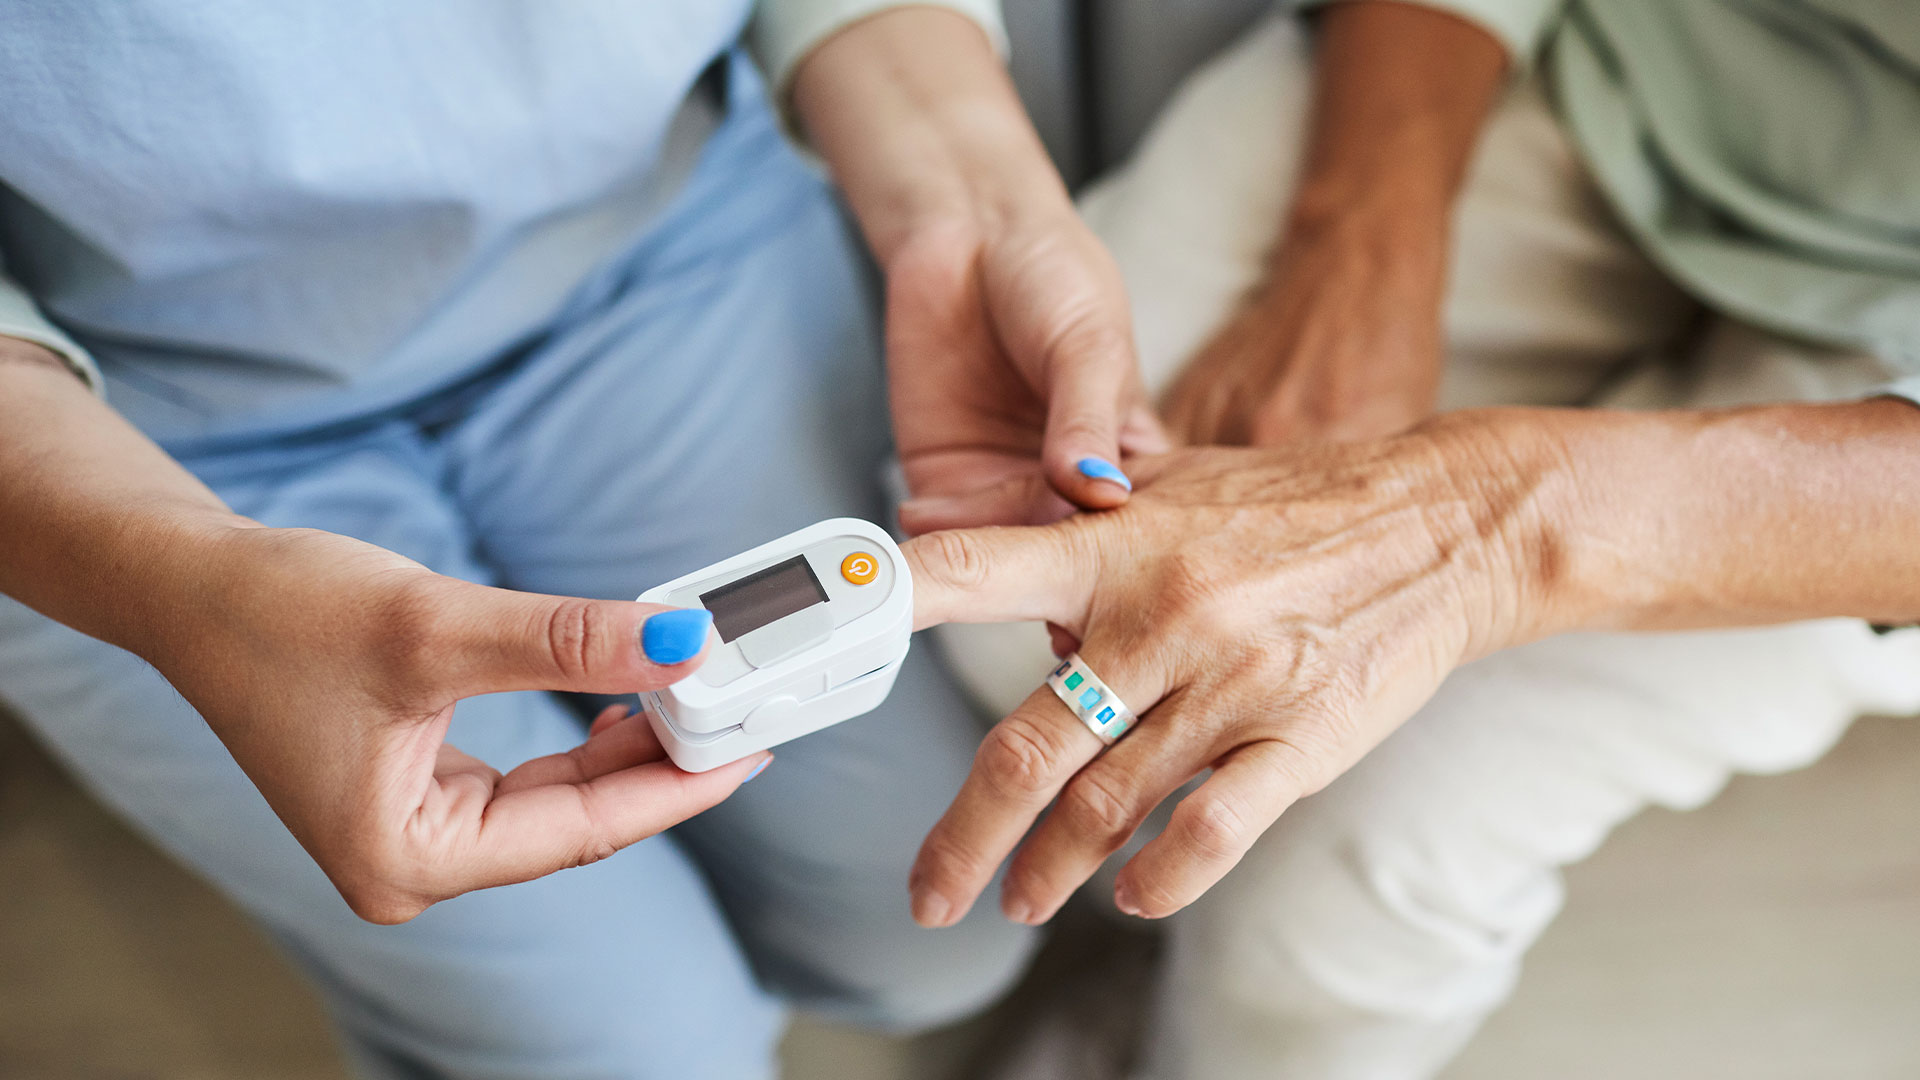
233 205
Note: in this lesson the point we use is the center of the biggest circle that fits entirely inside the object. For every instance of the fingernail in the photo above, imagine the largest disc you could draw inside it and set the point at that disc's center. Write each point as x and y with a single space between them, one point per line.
931 909
1099 468
674 637
1019 911
757 770
1123 899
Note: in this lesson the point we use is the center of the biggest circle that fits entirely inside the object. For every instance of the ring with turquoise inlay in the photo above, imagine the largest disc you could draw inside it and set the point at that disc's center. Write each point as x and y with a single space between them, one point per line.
1091 699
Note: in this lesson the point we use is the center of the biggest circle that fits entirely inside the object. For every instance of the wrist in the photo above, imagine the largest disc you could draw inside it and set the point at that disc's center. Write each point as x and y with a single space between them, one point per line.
166 563
922 129
1407 236
1518 523
980 173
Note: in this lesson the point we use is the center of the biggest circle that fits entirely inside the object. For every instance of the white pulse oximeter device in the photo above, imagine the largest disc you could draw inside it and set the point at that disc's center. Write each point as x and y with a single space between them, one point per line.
808 630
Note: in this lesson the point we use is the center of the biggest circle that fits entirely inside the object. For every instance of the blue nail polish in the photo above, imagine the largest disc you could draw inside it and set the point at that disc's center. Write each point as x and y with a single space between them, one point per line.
757 770
674 637
1099 468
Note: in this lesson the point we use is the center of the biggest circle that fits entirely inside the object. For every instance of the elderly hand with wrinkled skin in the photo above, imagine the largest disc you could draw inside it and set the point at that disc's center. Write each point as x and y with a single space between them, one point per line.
1272 615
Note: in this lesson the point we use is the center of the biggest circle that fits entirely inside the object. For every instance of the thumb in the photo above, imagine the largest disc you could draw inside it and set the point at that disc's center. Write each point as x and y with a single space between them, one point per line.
999 574
499 640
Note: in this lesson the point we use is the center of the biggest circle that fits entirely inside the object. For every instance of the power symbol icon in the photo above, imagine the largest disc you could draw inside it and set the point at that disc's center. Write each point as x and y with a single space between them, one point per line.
859 568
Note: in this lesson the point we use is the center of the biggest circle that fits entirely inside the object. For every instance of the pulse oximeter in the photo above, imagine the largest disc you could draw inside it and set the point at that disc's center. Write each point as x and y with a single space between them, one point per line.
808 630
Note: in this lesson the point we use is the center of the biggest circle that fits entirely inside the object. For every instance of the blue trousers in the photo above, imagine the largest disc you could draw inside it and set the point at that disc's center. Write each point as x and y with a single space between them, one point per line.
719 386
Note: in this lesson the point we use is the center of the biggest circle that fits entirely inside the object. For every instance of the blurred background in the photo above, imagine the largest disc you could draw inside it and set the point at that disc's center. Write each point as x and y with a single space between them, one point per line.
1774 934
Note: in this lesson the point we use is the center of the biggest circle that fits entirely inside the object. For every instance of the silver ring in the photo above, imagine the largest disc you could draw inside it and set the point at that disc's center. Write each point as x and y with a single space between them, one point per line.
1091 699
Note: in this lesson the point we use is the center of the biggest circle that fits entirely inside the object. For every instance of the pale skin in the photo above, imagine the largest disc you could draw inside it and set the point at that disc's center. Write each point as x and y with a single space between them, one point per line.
329 668
1274 613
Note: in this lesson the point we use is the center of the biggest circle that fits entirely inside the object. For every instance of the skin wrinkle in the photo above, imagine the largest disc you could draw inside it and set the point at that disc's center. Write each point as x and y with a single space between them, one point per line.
1380 563
1314 597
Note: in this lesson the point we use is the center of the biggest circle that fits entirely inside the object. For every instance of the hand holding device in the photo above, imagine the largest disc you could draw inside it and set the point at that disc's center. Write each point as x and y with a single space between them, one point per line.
328 667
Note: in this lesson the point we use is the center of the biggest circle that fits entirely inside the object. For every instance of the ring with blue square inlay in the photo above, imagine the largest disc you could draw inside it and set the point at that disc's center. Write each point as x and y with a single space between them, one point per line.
1090 698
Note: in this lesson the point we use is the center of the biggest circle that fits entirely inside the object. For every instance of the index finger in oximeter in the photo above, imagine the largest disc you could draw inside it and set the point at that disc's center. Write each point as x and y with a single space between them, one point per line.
808 630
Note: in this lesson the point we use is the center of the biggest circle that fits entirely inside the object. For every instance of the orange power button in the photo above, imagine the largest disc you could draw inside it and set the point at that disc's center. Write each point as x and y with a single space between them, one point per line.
859 568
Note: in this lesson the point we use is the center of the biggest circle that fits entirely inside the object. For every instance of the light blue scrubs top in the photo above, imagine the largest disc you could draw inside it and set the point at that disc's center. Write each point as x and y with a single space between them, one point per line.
237 206
233 204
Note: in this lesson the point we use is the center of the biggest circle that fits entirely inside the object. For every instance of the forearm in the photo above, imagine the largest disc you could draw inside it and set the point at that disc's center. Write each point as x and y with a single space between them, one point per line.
98 527
1340 338
1400 95
1737 517
921 126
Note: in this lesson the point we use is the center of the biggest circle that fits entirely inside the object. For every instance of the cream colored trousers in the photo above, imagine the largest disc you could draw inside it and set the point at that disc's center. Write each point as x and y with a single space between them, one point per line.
1377 923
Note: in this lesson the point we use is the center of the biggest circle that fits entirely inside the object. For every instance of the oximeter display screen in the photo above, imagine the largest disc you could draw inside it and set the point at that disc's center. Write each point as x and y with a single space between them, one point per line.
743 606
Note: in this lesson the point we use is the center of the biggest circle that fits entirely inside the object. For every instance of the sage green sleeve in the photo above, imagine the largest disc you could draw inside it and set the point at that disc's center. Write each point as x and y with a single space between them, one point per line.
1908 388
1519 24
21 318
785 31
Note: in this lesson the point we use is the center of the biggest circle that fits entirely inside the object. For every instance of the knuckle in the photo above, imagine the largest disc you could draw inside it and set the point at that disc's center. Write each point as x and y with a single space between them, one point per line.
943 861
1018 757
1216 829
1093 808
956 559
574 631
598 843
595 849
1296 762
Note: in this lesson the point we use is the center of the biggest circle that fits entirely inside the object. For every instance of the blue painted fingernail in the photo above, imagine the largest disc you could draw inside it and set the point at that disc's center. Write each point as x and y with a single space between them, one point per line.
757 770
674 637
1099 468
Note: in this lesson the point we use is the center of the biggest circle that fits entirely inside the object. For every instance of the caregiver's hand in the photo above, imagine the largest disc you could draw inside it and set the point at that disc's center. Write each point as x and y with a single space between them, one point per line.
1272 615
1009 345
329 668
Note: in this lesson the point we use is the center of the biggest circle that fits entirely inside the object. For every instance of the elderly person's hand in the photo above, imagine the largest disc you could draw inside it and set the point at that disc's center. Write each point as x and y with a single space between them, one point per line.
1272 615
1009 343
1341 340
